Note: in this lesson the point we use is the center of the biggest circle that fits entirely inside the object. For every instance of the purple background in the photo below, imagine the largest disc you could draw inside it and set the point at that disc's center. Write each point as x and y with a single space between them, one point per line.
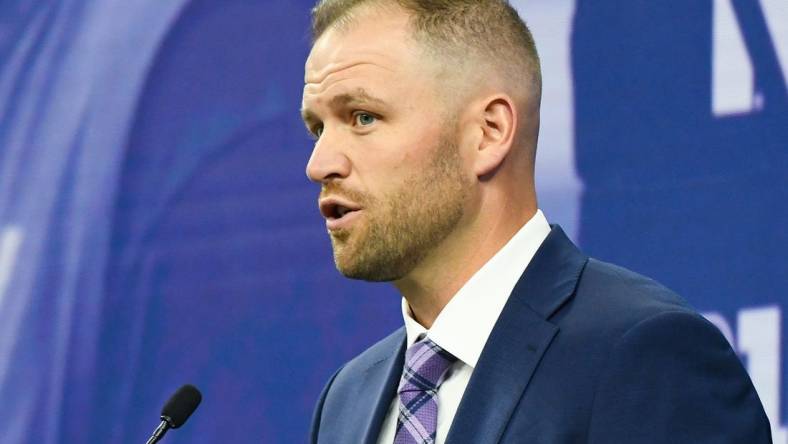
157 226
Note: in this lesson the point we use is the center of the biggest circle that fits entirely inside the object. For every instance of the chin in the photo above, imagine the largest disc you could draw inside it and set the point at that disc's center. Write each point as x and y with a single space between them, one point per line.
361 272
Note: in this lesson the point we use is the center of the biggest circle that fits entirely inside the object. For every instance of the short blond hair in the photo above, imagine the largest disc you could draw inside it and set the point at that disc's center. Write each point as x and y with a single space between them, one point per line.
489 30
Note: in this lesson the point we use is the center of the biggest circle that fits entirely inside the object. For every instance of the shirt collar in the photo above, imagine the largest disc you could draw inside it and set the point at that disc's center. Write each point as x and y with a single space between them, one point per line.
465 323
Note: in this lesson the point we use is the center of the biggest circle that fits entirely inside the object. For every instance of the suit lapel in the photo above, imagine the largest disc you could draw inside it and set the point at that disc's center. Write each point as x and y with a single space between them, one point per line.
520 337
382 380
504 369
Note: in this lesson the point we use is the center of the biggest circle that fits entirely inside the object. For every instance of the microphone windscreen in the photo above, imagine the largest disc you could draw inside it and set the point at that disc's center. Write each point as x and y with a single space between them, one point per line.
181 405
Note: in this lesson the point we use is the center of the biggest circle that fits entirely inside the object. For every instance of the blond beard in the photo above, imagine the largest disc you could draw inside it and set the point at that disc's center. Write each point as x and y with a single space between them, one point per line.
401 228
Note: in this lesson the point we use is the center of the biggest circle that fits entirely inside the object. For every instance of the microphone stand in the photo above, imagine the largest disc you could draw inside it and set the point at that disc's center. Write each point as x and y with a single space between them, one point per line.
160 431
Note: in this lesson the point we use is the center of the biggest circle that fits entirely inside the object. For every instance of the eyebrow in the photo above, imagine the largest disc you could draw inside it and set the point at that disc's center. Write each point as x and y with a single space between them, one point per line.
358 97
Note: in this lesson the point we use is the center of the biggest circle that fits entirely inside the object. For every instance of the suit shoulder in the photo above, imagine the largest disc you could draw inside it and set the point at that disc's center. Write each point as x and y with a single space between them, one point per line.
618 299
666 360
625 287
376 353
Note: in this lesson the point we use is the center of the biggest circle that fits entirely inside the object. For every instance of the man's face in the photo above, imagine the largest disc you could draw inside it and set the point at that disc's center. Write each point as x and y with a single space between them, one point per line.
393 185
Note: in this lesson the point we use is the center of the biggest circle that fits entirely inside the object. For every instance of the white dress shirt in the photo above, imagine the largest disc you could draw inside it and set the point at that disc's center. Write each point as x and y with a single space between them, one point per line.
465 323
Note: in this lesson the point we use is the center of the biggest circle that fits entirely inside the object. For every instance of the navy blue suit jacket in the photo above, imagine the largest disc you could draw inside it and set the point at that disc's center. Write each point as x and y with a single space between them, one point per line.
583 352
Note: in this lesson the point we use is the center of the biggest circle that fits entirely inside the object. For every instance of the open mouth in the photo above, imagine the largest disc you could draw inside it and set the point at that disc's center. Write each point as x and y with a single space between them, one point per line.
334 209
340 211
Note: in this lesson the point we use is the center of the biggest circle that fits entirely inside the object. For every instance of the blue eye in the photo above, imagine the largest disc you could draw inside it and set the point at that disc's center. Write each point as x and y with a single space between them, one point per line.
365 119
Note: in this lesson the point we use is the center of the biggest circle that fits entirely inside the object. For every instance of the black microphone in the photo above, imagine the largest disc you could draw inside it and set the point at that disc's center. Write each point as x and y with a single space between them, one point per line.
176 411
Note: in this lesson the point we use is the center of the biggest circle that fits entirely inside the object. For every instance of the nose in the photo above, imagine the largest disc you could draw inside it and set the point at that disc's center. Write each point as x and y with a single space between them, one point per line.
327 161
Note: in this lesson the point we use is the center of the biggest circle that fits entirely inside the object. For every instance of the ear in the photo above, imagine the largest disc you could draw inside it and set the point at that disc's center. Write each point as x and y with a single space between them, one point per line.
498 122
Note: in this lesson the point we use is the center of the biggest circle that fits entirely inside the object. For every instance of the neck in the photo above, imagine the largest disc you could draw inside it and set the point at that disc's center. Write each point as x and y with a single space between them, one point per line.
436 280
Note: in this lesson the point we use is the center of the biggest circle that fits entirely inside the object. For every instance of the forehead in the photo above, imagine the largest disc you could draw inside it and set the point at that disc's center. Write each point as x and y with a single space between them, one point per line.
372 41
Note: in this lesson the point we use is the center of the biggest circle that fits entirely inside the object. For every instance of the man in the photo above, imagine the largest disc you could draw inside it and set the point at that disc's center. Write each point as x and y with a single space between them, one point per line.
426 115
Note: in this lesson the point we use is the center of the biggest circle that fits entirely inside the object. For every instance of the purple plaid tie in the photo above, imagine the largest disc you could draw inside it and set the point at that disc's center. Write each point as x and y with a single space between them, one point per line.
425 367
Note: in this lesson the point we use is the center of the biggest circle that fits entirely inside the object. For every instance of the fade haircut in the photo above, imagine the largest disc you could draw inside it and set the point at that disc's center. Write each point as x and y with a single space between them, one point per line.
463 34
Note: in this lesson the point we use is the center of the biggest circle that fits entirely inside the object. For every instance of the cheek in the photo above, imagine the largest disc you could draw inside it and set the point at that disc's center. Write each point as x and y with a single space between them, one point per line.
417 143
403 162
389 160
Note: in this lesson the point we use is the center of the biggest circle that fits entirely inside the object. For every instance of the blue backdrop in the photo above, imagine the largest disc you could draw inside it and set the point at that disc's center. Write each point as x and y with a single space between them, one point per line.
157 227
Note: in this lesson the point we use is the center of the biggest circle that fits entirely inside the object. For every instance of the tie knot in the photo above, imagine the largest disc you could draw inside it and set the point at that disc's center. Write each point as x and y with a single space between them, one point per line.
426 364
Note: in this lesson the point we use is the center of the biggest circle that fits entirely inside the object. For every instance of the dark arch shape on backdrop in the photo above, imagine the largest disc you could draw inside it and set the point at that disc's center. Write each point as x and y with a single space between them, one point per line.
220 270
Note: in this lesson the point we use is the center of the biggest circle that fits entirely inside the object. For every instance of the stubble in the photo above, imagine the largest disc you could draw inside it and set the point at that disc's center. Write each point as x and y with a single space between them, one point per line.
400 229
